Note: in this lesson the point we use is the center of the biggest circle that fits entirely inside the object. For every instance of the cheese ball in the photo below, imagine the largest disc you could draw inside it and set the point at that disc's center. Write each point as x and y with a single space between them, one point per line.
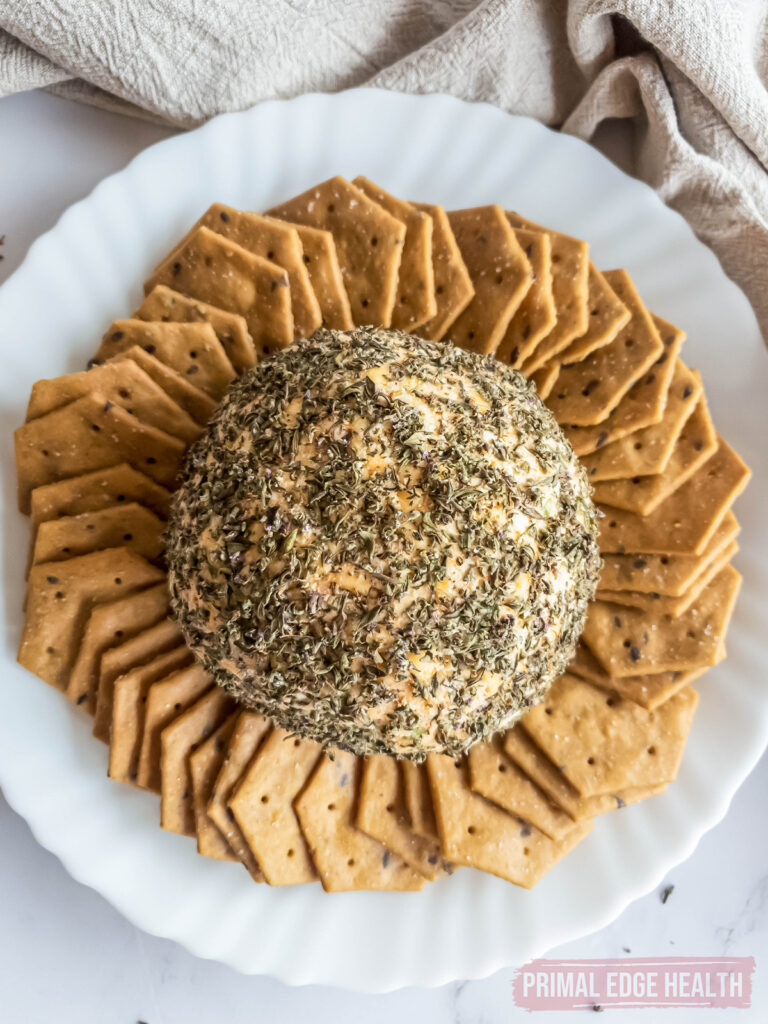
384 544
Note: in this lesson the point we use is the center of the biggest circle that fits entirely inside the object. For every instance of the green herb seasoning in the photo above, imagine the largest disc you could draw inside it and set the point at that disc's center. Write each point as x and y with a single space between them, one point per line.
384 544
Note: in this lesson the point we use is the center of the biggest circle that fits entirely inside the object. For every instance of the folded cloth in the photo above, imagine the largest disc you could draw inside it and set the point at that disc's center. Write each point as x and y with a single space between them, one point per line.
673 90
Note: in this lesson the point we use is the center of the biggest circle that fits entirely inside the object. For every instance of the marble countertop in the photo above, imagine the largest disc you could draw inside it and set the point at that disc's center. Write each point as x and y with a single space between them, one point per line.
67 955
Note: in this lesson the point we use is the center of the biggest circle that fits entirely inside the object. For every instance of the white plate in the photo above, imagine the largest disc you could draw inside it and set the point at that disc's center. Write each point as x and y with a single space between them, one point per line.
88 270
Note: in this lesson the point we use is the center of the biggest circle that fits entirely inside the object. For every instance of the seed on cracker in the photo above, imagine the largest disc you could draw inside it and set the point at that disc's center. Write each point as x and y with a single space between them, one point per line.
204 765
346 858
418 799
536 315
262 805
369 243
127 525
607 316
190 398
166 305
453 285
500 273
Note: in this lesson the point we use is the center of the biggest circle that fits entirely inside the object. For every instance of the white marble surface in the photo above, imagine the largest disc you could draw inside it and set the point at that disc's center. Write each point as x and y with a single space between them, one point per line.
67 956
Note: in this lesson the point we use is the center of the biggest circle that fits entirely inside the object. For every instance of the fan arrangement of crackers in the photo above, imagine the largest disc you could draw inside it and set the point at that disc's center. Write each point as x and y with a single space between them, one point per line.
98 458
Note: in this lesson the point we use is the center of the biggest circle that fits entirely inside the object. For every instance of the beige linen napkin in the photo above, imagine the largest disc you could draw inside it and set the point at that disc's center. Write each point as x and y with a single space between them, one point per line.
673 90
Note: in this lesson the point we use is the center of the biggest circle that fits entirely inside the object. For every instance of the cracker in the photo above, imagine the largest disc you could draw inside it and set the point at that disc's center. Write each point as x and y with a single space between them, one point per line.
545 379
249 732
570 281
127 525
588 391
607 316
670 575
686 522
415 301
178 741
168 306
126 721
325 275
124 384
218 271
204 765
500 273
521 749
493 775
369 244
647 450
93 491
108 625
628 642
382 815
166 699
346 859
644 403
535 316
453 285
263 807
87 435
475 832
191 399
418 799
192 350
59 599
604 744
272 240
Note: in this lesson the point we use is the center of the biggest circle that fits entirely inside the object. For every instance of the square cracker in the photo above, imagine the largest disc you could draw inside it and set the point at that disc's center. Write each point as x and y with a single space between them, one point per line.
475 832
369 243
219 271
493 775
588 391
166 305
346 858
648 691
204 765
570 289
686 522
521 749
166 700
128 693
645 402
670 575
249 732
178 741
272 240
418 799
607 316
415 301
91 434
124 384
642 494
322 265
630 642
100 489
648 450
545 379
536 315
192 350
381 814
604 744
453 285
262 804
108 625
128 525
59 599
500 273
191 399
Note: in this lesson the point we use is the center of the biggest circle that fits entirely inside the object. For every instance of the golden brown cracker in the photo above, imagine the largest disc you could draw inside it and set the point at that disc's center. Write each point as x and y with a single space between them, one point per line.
262 804
686 522
346 859
217 270
191 399
127 525
453 285
535 316
93 491
369 243
607 316
204 765
322 265
604 744
477 833
545 379
166 305
418 799
59 599
415 302
648 691
500 274
629 642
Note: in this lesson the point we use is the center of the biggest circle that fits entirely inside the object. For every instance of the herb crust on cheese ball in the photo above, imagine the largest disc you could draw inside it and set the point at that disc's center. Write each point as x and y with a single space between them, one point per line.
383 544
